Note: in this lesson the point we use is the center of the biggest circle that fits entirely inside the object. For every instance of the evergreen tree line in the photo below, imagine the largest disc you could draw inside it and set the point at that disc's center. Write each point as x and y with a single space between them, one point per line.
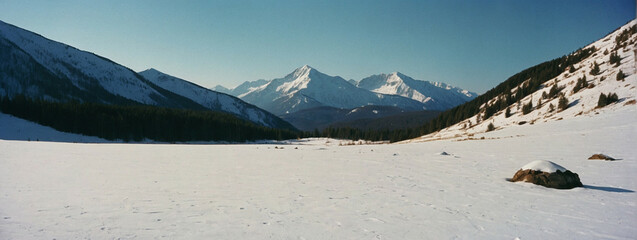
138 122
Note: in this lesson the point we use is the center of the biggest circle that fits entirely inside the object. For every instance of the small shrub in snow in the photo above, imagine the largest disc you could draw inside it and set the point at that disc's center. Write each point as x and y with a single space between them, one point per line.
551 107
507 113
490 127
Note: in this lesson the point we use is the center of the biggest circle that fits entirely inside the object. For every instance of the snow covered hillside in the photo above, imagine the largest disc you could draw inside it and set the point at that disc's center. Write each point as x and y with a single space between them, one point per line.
319 190
214 100
13 128
38 67
437 95
308 88
581 85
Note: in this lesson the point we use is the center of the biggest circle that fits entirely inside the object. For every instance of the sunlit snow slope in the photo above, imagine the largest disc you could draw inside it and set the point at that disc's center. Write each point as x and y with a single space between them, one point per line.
37 67
581 103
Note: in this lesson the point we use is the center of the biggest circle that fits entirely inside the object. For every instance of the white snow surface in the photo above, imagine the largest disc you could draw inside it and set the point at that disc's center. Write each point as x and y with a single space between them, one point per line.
210 99
316 189
543 166
62 60
13 128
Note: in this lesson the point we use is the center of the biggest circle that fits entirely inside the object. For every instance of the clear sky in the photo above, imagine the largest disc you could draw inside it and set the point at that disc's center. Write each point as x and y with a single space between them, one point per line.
470 44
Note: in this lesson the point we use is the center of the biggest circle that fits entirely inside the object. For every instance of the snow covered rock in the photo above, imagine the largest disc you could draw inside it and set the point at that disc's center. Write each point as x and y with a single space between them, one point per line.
548 174
601 157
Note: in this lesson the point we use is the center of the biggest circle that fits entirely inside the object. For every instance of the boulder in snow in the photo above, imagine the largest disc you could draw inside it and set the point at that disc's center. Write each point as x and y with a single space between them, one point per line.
444 154
548 174
601 157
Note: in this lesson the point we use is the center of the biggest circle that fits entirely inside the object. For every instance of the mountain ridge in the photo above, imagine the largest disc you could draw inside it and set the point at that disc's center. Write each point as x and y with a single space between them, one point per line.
40 68
306 88
214 100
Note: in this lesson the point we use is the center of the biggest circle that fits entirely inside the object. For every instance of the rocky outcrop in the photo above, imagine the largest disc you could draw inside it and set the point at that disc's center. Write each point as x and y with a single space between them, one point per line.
547 174
601 157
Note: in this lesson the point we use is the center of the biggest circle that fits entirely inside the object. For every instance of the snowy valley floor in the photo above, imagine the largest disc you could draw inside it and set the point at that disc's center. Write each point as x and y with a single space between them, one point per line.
54 190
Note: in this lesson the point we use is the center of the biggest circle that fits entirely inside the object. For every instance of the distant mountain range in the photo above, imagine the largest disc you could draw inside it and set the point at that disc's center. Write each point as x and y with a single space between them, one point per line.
307 88
40 68
436 95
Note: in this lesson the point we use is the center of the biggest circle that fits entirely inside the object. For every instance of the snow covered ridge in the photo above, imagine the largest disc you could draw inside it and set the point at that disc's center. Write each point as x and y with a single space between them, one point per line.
396 83
597 74
41 68
306 88
214 100
76 65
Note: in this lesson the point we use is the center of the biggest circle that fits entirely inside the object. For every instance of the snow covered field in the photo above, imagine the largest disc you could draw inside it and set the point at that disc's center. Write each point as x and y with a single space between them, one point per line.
54 190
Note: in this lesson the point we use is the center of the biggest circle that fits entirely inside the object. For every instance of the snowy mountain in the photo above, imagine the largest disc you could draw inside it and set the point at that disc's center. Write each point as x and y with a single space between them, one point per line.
435 95
214 100
609 68
242 88
41 68
38 67
308 88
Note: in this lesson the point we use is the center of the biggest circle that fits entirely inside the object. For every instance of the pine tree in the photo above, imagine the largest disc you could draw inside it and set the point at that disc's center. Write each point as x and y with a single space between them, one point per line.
551 107
614 59
507 112
527 108
554 91
581 83
595 69
601 101
620 76
562 103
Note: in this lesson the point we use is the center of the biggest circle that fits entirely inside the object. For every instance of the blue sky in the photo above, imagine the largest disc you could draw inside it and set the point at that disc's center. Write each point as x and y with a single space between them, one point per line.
470 44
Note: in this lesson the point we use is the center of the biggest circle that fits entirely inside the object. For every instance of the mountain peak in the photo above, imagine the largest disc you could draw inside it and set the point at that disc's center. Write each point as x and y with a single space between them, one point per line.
305 70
